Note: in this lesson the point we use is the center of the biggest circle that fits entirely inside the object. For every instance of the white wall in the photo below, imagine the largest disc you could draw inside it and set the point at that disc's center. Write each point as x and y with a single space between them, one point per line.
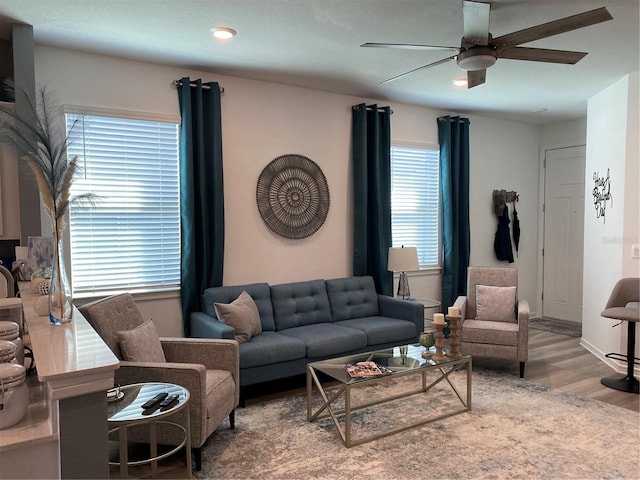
504 155
612 143
263 120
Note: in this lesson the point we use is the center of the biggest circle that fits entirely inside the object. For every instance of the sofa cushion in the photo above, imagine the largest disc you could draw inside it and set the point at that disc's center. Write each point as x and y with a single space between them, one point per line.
325 339
260 292
242 314
300 303
495 303
493 333
142 344
381 330
353 297
269 348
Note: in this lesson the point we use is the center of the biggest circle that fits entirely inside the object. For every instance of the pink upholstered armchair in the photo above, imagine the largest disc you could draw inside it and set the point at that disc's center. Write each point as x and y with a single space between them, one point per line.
494 322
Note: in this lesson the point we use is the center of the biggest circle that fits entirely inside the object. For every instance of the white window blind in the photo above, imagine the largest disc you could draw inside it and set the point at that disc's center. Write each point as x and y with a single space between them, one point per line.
415 195
130 239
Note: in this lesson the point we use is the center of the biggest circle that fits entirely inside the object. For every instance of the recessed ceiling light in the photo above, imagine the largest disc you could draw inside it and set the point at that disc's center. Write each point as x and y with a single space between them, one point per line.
460 82
223 33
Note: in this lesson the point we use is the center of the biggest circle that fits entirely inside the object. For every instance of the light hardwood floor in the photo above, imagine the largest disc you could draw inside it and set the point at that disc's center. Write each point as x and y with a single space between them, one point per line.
555 360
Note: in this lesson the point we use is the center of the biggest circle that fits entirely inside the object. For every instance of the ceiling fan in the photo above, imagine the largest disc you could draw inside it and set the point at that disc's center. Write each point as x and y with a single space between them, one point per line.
479 50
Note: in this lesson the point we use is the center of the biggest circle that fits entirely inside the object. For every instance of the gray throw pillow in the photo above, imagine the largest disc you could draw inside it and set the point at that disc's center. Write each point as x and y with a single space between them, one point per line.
496 303
142 344
242 314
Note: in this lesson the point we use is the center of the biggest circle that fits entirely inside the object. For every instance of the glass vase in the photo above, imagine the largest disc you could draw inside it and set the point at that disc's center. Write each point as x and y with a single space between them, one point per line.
60 298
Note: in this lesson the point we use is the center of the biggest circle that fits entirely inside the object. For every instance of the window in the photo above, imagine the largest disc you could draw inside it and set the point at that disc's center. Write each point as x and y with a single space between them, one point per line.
415 207
130 239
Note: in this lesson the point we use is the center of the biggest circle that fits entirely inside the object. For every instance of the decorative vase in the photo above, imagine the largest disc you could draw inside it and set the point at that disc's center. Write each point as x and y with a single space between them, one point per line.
427 339
60 298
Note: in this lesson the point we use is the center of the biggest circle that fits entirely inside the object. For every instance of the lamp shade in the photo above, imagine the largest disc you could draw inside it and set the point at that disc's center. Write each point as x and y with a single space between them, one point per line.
403 259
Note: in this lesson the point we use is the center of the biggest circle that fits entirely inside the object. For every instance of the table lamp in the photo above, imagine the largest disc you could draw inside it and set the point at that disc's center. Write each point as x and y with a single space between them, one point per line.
403 260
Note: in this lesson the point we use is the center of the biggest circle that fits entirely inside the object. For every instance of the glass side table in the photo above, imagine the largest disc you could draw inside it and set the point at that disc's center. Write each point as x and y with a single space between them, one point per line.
126 411
429 305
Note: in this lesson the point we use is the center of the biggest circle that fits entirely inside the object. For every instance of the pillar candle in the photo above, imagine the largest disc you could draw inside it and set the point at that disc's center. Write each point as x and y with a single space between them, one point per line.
454 312
438 318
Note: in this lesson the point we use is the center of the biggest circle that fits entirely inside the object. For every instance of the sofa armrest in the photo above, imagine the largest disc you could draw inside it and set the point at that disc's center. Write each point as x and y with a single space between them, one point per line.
205 326
403 309
461 303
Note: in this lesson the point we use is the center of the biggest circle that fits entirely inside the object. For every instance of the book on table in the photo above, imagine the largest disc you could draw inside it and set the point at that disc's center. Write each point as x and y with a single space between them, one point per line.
365 369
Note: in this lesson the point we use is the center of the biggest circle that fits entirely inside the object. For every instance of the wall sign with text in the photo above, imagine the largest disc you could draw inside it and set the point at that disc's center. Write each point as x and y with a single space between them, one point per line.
601 194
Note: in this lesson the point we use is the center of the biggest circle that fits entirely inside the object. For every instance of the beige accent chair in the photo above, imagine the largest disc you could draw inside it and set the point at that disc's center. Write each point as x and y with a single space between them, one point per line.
494 322
208 368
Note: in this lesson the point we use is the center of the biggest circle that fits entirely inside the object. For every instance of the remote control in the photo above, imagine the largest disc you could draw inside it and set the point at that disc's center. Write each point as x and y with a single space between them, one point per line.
168 401
158 398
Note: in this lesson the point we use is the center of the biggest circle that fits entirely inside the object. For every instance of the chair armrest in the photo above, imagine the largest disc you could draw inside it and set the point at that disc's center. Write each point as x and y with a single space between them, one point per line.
461 303
205 326
403 309
523 330
189 375
523 311
214 354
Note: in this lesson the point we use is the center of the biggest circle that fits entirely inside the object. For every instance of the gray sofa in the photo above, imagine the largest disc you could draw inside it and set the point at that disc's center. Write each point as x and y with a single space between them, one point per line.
309 321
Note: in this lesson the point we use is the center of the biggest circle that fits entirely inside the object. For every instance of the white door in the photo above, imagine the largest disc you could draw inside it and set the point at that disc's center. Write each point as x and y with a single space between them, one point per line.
563 233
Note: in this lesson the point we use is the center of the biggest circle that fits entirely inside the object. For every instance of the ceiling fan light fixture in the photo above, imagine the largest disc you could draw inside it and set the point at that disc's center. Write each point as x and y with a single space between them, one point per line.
460 82
223 33
476 58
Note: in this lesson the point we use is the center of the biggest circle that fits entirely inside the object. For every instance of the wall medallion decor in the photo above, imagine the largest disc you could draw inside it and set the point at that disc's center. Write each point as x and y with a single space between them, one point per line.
293 196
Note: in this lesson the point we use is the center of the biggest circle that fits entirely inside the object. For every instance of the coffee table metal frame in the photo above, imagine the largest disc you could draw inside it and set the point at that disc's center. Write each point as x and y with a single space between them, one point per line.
334 368
128 412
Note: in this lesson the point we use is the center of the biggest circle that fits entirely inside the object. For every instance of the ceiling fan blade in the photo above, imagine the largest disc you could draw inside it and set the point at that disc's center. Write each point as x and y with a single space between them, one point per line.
476 22
555 27
409 46
476 77
540 55
444 60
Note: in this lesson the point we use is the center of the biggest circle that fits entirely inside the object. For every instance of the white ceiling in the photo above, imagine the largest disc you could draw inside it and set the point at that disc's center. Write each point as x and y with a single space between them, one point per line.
316 44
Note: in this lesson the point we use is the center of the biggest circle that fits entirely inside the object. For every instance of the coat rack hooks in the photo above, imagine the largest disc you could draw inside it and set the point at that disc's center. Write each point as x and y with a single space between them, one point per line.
501 197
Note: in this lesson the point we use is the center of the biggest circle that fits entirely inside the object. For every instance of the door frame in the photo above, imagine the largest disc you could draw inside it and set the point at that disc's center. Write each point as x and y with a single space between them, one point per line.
541 221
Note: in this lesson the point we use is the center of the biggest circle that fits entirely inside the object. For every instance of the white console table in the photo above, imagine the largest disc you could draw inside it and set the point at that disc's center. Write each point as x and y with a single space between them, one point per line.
64 434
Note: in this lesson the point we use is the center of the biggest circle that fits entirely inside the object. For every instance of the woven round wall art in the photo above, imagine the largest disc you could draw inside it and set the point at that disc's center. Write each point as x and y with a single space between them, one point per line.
293 196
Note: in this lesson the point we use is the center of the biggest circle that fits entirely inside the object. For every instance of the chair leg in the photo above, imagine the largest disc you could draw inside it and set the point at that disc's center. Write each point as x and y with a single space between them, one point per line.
521 369
197 456
232 419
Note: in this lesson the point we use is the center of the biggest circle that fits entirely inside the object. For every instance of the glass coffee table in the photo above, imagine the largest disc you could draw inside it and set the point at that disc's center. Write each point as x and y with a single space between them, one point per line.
335 386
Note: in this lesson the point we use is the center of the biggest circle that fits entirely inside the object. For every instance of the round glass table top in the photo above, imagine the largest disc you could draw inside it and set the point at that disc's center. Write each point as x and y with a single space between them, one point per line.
127 407
428 303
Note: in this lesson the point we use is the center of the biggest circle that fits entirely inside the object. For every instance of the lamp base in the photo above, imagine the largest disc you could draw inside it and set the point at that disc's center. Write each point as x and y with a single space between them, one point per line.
403 286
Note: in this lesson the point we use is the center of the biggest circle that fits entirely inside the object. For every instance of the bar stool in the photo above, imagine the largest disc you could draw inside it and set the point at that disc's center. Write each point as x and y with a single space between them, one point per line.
624 305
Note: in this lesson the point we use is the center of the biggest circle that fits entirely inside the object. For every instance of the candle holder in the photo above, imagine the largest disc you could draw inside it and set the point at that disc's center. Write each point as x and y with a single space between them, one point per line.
439 356
454 336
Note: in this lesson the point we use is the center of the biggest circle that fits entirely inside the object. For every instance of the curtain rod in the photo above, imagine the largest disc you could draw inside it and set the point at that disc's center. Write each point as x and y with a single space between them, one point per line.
369 107
178 83
460 119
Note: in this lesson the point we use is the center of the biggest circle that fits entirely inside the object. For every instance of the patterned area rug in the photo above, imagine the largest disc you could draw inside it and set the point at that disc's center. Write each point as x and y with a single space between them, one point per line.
515 429
556 326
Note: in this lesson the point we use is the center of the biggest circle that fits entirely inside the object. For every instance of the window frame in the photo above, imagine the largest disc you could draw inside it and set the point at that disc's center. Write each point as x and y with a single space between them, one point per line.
126 115
436 148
